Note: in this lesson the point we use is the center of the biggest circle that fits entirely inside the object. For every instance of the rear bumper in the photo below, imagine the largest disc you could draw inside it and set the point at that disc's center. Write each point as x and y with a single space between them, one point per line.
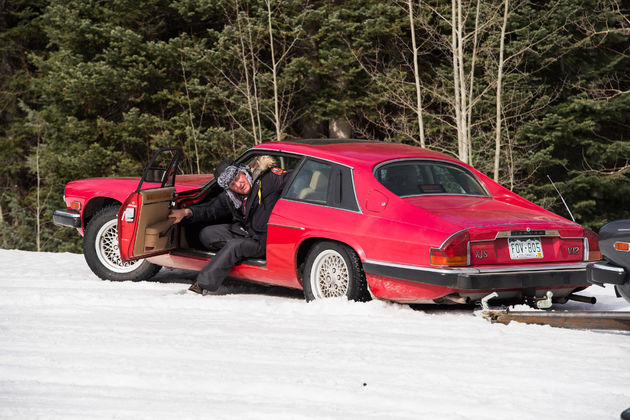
491 278
604 273
66 217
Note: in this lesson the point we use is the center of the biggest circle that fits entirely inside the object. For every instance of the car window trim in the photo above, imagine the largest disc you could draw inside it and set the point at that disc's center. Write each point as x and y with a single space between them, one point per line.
334 167
312 203
455 164
303 158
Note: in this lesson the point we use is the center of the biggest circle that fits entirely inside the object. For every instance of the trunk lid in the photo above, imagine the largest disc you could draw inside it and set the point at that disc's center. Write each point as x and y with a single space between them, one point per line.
506 233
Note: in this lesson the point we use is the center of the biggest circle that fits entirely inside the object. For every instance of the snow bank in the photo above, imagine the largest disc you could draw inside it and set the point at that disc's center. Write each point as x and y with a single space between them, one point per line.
73 346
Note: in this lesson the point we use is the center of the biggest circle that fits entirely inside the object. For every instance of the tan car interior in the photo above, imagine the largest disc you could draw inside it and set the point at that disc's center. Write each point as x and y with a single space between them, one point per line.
161 234
154 222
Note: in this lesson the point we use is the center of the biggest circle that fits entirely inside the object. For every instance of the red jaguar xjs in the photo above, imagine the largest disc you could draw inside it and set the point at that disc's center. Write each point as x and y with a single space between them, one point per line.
357 219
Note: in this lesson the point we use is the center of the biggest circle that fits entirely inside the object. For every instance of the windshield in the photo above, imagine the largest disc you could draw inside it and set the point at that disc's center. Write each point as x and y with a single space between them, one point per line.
424 177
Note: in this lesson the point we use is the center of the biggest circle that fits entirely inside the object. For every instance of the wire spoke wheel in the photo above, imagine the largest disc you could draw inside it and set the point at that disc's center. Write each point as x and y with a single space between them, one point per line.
334 270
106 245
100 248
331 276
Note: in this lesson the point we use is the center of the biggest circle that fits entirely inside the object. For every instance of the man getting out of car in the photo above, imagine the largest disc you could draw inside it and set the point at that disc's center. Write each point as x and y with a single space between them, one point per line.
247 201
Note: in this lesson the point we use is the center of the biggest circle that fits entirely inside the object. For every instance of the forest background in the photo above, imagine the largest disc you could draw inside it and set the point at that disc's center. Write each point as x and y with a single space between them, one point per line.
522 90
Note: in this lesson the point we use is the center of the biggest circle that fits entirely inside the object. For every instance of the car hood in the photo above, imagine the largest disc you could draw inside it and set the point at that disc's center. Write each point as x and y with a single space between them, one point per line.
472 212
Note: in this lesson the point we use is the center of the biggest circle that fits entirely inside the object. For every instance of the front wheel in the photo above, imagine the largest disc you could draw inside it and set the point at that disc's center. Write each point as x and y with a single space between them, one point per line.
334 270
100 248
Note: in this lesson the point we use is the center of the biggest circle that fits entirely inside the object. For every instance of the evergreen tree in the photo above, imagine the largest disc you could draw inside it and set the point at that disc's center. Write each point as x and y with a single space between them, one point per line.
93 88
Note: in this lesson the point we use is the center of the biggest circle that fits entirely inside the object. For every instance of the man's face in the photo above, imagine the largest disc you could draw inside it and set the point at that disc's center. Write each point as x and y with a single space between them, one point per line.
240 185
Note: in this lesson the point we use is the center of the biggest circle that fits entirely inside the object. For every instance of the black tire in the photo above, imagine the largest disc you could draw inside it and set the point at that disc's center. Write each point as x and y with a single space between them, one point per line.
332 270
100 248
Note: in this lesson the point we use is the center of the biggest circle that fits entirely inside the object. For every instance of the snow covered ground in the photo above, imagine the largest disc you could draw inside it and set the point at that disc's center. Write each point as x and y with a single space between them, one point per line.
73 346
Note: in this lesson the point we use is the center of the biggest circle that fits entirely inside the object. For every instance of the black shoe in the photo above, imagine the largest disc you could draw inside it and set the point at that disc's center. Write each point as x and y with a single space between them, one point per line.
196 289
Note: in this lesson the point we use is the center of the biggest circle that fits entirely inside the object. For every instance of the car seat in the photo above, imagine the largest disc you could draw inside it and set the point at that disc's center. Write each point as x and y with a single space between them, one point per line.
317 189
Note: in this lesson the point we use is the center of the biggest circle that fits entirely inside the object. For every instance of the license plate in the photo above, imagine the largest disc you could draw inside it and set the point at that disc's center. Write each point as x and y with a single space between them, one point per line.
525 248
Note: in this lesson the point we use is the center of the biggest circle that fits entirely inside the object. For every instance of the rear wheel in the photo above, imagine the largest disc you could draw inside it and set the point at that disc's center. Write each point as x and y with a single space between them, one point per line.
334 270
100 248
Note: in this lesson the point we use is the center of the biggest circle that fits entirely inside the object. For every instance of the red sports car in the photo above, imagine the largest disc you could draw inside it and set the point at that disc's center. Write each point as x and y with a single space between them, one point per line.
357 219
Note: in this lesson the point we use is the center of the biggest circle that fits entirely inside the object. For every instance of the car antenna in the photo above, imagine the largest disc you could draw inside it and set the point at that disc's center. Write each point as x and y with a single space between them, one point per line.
562 198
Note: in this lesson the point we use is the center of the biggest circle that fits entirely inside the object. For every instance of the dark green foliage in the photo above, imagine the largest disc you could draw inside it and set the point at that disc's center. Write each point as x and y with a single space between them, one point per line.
92 88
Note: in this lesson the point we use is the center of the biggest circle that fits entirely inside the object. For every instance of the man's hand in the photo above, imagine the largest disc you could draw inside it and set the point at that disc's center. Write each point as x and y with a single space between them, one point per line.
179 214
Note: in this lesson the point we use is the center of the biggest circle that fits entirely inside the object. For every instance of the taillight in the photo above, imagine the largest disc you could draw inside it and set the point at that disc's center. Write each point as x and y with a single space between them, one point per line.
591 245
622 246
455 251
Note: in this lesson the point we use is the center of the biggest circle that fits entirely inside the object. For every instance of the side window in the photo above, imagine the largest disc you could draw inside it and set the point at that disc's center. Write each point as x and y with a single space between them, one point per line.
311 183
162 168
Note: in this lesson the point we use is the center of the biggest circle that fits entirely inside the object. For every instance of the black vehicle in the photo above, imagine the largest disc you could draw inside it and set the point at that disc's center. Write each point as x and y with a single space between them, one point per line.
614 243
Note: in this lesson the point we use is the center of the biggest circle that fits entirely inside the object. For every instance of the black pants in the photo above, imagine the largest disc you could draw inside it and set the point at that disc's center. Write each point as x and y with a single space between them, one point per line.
232 248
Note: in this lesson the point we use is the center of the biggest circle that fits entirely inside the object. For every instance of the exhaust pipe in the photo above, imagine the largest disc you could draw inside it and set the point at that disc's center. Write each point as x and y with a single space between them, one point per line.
457 299
584 299
452 298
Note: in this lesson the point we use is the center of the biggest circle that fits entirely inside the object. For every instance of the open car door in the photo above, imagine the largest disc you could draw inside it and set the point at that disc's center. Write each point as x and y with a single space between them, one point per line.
144 228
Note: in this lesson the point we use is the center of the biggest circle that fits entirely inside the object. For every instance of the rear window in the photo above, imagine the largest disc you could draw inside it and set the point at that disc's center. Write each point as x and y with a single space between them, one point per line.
424 177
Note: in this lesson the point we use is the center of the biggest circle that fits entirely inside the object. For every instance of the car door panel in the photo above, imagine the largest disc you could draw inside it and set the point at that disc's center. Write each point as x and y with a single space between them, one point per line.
144 228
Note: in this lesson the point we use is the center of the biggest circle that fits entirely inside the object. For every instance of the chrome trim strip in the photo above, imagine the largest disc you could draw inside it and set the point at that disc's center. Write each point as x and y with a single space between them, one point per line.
449 237
508 234
354 190
287 226
420 268
618 270
473 271
301 155
67 217
306 156
587 248
523 223
73 214
535 268
524 236
321 205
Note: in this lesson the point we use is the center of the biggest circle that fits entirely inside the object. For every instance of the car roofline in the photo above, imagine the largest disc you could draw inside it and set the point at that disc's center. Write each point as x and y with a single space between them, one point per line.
325 141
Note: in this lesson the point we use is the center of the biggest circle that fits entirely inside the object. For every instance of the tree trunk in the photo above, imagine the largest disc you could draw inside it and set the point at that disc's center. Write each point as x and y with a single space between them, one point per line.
456 101
274 70
38 210
339 129
254 82
250 105
459 80
472 83
416 74
497 138
191 119
462 82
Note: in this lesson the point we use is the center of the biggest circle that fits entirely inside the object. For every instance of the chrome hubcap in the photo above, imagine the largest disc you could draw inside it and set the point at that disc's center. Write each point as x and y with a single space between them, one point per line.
329 275
106 246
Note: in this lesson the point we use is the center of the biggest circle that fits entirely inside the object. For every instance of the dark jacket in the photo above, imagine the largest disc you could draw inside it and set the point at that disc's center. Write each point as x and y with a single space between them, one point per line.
252 220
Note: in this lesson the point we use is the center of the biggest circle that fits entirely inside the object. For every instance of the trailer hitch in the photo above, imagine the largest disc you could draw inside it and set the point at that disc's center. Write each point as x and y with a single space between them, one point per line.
544 303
